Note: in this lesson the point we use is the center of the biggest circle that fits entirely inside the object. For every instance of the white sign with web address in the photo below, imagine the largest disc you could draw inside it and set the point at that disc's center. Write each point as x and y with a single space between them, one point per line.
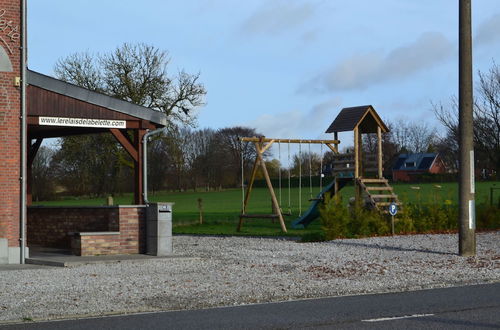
82 122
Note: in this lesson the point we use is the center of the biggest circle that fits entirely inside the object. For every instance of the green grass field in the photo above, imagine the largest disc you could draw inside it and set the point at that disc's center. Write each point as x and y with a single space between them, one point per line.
222 208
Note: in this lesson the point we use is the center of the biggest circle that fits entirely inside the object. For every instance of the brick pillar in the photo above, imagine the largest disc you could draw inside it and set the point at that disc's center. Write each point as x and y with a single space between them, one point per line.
10 124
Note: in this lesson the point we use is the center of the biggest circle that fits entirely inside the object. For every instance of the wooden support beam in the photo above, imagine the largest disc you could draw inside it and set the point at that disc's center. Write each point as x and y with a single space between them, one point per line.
356 153
138 167
264 140
259 216
126 143
267 146
32 151
250 184
379 152
357 164
335 148
336 138
270 186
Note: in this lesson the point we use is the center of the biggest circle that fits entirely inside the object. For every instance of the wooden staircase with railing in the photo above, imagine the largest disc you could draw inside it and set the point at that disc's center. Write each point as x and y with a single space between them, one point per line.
379 192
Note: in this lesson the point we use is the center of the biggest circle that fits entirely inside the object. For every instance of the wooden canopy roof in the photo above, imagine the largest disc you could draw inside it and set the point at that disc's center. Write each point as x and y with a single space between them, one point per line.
364 117
50 97
56 108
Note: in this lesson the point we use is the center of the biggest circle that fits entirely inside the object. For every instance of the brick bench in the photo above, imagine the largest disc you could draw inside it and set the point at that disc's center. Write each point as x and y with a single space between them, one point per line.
95 243
94 230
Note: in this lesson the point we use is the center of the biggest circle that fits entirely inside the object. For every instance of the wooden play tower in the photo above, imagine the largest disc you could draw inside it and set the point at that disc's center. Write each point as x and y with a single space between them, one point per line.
365 169
370 185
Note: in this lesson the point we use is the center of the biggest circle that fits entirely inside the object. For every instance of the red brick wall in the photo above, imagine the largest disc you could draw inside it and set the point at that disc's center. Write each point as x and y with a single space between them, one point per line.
10 132
398 175
438 167
49 227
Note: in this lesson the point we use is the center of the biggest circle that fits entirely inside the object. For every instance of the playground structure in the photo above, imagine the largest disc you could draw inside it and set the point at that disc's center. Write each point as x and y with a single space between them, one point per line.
371 188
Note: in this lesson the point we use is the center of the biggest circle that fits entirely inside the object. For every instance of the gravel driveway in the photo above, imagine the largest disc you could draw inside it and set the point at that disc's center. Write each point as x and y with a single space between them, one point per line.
221 271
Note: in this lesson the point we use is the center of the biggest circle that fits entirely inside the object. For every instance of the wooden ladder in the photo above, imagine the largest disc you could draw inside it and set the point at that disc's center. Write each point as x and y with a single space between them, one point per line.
380 193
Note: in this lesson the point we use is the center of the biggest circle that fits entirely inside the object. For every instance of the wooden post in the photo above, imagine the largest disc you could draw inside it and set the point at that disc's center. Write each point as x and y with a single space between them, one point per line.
32 151
138 196
200 209
357 163
356 153
270 186
466 187
273 210
379 152
248 191
336 138
250 184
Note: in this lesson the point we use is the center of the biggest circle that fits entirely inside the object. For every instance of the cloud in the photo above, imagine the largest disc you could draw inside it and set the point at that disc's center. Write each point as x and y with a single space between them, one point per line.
298 124
487 32
363 70
278 16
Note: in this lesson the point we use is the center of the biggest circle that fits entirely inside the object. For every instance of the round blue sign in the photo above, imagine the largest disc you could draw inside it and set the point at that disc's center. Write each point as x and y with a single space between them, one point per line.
393 209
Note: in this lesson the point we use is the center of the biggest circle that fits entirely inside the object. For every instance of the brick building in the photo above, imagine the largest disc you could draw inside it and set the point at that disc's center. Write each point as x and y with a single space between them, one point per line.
54 108
409 167
10 130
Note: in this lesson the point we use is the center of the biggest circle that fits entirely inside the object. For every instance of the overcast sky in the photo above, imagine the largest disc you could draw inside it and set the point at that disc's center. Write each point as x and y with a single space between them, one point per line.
285 67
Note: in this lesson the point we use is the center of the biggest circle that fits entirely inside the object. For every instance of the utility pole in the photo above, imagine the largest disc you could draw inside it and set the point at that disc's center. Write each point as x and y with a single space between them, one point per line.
467 212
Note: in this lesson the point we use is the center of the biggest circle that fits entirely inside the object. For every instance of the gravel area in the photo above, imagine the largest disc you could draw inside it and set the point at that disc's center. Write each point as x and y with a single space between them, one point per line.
222 271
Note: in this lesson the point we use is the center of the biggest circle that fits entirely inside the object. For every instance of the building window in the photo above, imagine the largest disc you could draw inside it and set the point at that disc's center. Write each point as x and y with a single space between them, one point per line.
410 164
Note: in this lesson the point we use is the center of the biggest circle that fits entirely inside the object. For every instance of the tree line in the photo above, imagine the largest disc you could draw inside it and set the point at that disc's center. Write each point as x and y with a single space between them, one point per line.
189 158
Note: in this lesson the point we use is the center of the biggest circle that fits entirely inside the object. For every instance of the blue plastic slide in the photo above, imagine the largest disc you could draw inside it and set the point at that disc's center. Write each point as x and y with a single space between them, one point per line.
313 212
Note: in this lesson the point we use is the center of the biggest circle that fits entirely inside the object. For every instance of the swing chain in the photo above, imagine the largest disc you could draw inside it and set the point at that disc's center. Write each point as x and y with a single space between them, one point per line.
310 172
279 170
289 182
242 180
300 179
321 169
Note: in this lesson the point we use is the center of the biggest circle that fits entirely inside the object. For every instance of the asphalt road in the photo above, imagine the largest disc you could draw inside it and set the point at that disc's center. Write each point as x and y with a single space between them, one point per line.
468 307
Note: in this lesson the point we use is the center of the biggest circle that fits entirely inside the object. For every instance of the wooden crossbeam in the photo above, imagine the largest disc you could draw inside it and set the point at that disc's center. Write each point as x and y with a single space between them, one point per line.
33 149
260 216
126 143
265 140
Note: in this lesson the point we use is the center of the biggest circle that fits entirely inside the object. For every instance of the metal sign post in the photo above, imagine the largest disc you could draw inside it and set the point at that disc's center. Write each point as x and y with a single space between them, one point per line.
393 210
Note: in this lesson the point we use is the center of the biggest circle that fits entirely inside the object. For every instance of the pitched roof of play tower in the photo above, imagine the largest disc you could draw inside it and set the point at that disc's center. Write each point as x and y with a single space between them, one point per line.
365 117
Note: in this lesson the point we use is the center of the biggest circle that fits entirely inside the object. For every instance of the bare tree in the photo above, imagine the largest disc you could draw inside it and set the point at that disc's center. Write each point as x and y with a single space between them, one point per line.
486 120
138 74
43 187
411 137
82 70
306 163
227 153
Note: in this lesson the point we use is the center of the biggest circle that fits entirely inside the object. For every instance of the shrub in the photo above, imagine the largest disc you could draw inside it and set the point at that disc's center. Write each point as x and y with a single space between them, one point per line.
366 222
404 224
487 217
339 221
334 217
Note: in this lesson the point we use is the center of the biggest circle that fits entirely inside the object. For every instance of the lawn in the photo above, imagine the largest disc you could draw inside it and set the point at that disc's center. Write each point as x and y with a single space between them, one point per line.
222 208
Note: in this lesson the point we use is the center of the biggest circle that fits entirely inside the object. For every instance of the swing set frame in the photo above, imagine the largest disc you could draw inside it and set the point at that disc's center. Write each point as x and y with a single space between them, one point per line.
262 144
